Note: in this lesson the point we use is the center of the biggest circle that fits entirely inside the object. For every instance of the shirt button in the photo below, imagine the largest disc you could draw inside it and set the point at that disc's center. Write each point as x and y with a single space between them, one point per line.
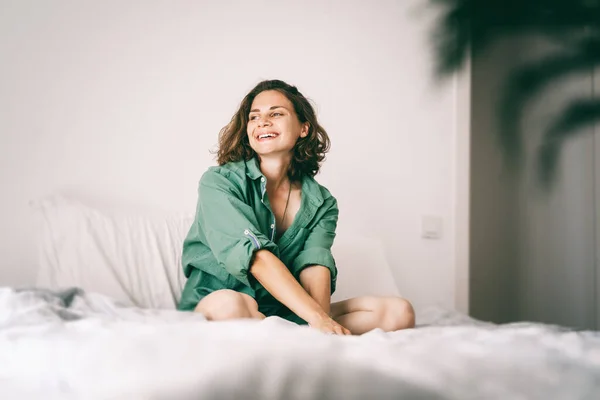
246 232
272 226
262 179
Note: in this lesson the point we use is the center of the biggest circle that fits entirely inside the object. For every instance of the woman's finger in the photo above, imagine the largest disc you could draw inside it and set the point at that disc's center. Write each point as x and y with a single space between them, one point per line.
328 330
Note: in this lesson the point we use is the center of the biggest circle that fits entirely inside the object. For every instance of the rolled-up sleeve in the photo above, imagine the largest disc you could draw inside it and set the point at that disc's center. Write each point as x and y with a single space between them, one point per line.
317 246
229 225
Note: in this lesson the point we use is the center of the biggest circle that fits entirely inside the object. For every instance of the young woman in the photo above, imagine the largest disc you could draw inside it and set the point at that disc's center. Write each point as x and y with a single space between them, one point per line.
260 243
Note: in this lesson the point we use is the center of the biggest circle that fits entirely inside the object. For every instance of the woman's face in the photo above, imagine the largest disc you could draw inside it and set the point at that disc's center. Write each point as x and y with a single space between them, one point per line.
273 127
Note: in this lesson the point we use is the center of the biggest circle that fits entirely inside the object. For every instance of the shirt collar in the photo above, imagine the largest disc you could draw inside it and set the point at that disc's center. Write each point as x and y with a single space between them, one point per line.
253 169
310 188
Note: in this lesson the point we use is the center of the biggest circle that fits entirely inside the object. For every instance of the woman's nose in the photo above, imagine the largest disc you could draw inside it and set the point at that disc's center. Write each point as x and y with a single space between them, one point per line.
263 122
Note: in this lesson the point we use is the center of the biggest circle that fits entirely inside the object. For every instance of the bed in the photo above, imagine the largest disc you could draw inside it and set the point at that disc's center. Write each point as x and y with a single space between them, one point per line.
92 329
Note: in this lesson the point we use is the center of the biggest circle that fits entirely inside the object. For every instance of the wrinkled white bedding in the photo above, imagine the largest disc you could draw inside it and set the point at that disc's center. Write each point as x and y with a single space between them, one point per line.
73 345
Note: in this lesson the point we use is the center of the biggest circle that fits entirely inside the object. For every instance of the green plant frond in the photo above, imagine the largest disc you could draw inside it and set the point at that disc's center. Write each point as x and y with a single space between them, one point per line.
472 25
467 28
530 80
578 115
451 41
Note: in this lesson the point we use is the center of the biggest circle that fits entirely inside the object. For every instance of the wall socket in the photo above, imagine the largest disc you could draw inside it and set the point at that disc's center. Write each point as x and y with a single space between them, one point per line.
431 227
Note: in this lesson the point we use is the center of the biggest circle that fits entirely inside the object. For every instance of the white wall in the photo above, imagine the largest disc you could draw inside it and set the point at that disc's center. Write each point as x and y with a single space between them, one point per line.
123 99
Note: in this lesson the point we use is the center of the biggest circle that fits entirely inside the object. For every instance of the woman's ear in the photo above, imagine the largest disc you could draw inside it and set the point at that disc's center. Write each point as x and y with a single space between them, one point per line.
304 130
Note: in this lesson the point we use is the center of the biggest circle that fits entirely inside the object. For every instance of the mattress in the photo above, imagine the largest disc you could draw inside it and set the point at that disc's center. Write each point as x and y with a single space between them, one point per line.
71 344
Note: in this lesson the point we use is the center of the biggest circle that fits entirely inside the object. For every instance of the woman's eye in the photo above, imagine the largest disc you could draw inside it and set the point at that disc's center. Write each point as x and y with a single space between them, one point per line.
276 114
253 117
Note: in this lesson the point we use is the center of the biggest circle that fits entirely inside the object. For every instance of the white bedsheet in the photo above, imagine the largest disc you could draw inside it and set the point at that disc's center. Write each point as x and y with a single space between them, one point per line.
73 345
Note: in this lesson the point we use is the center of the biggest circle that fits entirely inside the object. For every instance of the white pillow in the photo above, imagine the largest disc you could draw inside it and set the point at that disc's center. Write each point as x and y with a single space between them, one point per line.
363 269
134 257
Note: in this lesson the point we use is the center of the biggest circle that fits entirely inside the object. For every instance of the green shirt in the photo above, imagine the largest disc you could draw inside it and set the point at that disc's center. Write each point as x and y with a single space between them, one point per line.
234 219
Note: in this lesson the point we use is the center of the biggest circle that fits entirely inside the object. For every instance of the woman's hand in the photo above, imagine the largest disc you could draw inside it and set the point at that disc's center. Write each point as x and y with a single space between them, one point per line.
274 276
327 324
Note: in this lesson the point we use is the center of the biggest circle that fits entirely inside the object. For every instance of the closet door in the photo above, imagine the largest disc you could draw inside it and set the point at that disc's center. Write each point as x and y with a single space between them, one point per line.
596 79
557 274
559 245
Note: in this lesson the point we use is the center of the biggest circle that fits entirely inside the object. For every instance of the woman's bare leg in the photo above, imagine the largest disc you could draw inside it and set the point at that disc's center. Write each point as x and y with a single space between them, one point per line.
363 314
227 304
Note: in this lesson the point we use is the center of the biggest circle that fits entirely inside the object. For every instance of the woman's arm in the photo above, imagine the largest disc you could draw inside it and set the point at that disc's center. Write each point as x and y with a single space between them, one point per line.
274 276
316 280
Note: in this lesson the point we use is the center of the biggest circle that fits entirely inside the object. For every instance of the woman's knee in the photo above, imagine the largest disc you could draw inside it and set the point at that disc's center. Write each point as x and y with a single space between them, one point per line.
397 314
226 304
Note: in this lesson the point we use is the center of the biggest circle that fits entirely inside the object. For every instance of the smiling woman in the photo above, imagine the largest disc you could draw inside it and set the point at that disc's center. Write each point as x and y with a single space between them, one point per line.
260 244
286 105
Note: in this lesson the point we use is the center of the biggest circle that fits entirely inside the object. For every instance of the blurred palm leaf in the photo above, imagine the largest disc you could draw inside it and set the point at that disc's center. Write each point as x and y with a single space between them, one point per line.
579 114
469 27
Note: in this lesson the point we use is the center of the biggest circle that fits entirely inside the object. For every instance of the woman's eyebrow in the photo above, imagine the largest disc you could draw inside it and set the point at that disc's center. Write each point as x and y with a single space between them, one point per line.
272 108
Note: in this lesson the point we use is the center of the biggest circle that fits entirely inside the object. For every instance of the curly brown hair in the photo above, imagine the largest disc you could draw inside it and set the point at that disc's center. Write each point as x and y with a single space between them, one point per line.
308 153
